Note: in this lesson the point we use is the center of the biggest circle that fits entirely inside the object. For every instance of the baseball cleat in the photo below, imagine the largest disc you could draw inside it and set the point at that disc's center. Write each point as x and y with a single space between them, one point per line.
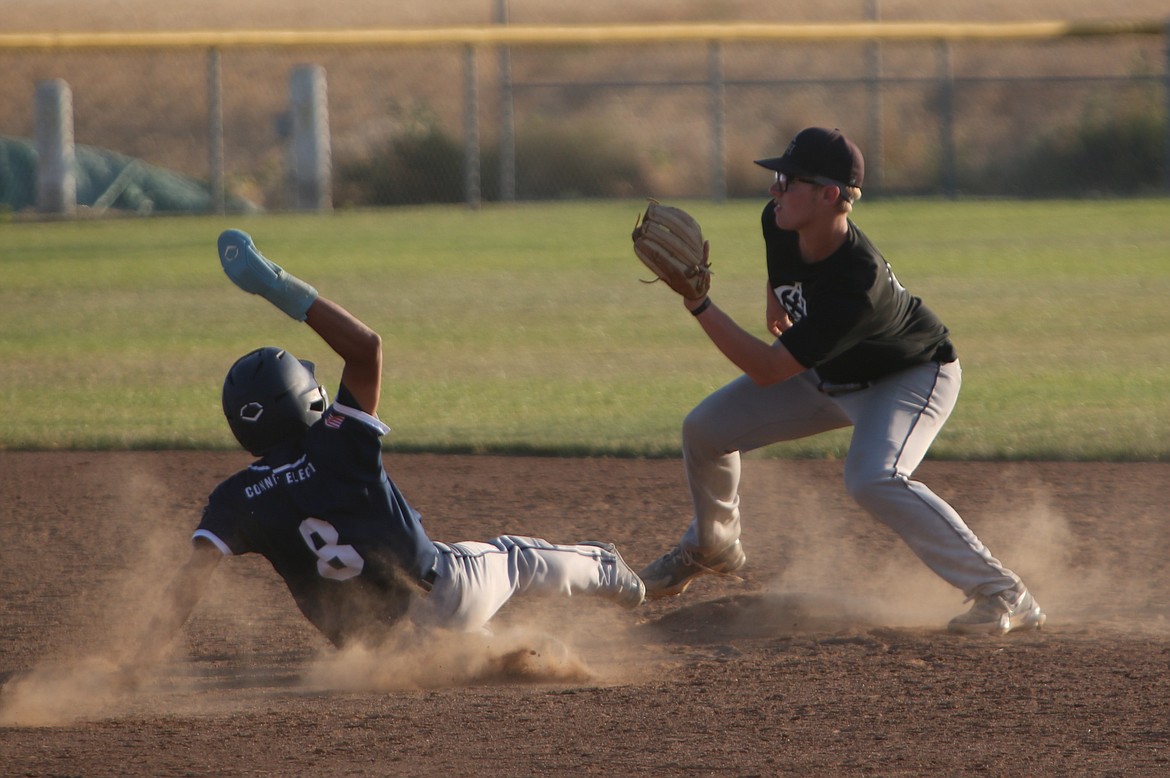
674 571
1000 613
629 591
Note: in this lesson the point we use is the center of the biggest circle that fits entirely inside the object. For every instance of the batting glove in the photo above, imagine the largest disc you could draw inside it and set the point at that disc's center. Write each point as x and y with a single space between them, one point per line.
252 272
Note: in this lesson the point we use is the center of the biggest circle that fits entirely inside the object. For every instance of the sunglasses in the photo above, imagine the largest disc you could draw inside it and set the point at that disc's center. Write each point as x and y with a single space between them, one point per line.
782 182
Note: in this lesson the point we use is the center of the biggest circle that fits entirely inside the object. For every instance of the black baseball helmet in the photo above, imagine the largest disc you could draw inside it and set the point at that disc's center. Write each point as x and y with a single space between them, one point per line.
270 396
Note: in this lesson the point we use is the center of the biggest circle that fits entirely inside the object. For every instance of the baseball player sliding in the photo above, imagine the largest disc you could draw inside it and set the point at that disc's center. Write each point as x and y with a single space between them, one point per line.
320 506
852 348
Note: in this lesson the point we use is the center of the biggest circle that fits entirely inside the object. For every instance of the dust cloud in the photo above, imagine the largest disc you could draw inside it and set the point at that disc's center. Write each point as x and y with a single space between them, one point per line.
110 575
116 589
103 683
522 650
840 568
245 633
437 658
57 694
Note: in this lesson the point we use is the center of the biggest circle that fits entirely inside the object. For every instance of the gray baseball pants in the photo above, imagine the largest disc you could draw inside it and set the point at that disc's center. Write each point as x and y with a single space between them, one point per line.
894 420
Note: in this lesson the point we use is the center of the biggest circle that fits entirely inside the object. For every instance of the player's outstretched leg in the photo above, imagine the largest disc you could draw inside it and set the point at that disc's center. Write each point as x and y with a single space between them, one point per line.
591 567
625 586
476 578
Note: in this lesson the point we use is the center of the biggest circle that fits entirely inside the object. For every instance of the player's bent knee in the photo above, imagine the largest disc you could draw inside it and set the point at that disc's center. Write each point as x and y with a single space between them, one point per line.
700 429
871 490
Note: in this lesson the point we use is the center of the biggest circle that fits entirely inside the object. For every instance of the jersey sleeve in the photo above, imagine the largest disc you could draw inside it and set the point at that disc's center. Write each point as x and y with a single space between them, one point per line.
346 405
218 524
346 442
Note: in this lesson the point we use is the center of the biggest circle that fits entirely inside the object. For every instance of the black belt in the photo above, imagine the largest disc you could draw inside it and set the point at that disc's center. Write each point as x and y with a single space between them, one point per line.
836 390
427 582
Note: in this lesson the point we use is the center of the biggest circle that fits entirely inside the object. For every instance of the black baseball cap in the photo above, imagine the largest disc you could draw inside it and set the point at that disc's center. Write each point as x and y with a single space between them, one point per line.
817 152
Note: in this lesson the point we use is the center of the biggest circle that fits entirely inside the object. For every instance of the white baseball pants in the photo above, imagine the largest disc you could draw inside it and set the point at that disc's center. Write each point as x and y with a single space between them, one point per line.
895 420
475 579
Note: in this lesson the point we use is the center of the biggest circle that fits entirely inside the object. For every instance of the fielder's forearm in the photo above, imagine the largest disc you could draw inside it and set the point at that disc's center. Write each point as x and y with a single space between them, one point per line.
763 363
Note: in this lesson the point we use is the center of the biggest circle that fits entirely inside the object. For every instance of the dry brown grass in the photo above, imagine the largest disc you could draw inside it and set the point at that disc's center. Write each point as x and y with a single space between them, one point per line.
153 105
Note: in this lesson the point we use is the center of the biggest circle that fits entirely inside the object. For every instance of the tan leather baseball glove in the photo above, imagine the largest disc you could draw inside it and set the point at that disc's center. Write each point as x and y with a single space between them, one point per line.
670 242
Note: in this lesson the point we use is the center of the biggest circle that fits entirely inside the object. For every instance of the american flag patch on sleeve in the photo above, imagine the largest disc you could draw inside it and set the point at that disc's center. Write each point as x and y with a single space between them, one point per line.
334 420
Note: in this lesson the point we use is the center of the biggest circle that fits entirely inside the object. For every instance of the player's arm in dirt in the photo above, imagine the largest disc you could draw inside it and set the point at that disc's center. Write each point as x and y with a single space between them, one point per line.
179 600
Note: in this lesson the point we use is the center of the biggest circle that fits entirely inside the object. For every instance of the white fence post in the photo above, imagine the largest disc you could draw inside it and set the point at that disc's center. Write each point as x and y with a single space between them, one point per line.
311 159
57 163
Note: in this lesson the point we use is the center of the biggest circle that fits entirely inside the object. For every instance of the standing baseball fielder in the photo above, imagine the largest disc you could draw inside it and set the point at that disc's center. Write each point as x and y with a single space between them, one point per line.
319 505
853 348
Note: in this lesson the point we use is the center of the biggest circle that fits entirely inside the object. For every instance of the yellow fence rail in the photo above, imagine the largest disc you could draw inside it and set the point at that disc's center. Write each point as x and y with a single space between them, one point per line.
537 35
469 42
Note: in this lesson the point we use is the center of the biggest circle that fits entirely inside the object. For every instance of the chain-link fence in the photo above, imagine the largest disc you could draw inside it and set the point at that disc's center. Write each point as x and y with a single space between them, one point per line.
950 113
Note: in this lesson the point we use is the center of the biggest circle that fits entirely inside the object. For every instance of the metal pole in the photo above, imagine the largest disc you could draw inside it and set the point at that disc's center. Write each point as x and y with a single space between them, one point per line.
717 89
875 154
507 116
1166 107
947 121
471 129
215 130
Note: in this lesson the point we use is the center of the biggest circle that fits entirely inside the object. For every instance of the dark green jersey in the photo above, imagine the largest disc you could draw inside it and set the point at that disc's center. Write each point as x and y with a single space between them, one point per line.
852 320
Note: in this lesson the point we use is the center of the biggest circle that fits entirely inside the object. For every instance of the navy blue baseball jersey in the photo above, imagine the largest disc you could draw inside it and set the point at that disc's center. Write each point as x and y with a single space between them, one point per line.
851 319
336 528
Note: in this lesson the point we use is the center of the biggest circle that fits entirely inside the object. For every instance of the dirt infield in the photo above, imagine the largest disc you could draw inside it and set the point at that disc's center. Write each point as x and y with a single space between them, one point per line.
827 657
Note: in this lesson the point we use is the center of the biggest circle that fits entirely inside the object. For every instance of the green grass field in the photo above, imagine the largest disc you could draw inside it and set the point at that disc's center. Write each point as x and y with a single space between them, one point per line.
525 329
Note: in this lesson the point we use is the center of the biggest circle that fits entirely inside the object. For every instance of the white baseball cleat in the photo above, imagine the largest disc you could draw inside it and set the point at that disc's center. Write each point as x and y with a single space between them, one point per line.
628 589
674 571
1000 613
